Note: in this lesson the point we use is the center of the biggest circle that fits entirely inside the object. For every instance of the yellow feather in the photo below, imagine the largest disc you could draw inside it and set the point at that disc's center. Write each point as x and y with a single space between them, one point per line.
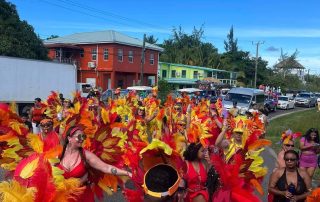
11 152
77 107
16 127
29 169
13 107
157 144
9 166
35 142
105 116
14 192
68 189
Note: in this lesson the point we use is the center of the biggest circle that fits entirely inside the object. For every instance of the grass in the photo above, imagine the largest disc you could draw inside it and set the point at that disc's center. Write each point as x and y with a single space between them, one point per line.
297 122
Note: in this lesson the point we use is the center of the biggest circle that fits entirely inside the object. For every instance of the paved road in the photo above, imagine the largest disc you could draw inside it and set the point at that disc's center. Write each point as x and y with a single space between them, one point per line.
268 155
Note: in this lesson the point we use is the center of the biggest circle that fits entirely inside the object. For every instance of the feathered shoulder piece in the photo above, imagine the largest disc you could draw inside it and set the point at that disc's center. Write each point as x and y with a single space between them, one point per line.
314 196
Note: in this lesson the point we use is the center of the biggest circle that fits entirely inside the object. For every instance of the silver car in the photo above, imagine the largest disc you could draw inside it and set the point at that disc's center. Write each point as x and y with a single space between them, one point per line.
306 100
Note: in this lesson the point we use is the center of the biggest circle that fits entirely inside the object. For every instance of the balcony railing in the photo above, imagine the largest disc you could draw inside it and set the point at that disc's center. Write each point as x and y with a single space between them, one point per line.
67 61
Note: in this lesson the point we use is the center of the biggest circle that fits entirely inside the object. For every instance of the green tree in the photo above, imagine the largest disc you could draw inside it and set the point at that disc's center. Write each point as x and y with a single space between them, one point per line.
151 39
164 90
17 37
232 44
189 49
240 61
52 37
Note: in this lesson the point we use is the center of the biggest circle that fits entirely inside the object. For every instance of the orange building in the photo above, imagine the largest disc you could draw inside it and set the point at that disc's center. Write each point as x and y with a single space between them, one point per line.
107 59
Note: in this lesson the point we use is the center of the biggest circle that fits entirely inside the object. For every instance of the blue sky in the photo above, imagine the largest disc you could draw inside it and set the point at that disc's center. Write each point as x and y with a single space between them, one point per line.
286 24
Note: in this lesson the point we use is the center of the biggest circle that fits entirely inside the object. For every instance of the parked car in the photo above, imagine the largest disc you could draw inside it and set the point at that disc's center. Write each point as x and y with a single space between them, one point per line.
286 102
306 100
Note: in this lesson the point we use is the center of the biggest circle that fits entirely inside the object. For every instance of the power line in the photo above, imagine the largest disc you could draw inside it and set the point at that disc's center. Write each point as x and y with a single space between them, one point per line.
99 12
108 13
85 13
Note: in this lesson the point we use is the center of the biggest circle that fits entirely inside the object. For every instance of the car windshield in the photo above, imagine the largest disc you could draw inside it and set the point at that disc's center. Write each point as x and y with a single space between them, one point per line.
240 98
283 98
304 95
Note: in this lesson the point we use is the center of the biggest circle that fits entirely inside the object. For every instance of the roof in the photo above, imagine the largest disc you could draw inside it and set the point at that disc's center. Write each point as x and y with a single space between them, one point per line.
139 88
210 80
107 36
246 91
181 81
292 64
189 90
195 67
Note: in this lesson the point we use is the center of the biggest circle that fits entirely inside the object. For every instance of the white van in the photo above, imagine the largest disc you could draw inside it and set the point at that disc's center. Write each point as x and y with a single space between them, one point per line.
245 98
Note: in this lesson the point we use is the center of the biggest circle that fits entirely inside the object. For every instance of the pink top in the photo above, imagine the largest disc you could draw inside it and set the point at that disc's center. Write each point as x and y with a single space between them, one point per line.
306 143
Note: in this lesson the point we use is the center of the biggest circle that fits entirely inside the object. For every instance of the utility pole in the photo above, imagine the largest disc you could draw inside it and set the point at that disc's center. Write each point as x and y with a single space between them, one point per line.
142 59
256 66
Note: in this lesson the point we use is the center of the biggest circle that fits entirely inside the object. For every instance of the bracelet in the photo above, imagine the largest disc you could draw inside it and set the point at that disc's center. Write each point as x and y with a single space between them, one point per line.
114 171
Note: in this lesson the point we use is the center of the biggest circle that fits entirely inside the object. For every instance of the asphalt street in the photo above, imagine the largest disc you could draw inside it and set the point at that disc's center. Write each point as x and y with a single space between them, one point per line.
268 155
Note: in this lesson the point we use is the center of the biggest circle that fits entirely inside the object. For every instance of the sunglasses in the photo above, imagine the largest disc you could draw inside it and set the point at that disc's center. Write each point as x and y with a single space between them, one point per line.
81 137
289 145
290 159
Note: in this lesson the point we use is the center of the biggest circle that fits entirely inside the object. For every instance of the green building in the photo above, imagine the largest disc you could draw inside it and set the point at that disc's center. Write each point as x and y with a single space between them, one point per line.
185 76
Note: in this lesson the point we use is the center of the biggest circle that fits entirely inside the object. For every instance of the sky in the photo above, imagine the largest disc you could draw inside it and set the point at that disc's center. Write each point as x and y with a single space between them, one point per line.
289 25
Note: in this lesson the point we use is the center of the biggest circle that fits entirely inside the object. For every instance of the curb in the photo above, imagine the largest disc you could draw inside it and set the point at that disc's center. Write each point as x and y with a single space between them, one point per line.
281 115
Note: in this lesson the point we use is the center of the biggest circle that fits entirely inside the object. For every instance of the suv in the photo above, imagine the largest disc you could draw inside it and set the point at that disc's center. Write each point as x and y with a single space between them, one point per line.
306 99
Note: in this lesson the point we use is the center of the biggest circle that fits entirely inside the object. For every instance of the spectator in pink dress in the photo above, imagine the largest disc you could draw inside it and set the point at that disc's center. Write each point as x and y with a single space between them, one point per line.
309 146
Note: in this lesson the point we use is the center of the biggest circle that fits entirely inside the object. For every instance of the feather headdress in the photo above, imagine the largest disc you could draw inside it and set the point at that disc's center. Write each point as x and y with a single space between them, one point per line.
288 135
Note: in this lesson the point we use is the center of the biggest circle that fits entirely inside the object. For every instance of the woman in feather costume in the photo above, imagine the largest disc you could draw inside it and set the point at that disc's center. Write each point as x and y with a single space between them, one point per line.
74 161
49 137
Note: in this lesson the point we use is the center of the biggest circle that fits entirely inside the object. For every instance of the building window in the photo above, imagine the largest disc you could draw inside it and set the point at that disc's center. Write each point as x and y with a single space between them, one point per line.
81 53
184 74
164 73
94 54
151 59
120 55
57 53
173 73
105 54
130 57
195 74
